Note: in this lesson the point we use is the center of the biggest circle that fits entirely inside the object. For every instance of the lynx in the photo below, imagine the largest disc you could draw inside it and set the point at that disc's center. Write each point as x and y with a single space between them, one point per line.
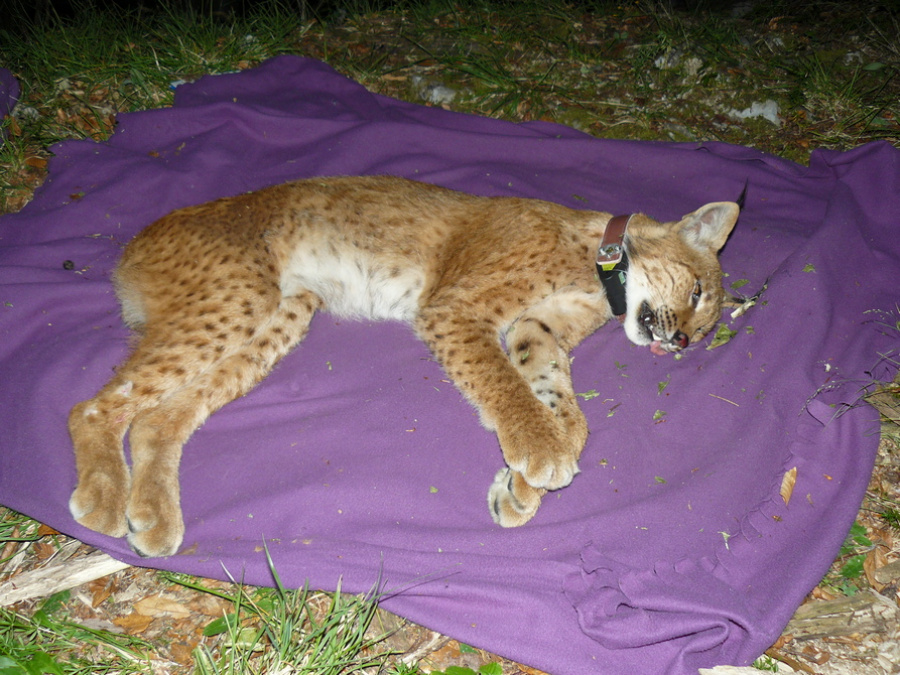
500 289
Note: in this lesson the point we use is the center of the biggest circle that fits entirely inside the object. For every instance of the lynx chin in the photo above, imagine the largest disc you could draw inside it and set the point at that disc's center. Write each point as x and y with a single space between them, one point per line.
500 289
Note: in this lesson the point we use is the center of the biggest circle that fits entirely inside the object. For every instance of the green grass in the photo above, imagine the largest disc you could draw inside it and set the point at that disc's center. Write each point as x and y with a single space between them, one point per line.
766 663
265 630
273 629
14 527
632 70
43 643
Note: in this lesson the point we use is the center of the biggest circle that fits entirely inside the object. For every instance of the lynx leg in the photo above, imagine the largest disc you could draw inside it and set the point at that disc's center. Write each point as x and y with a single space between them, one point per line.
544 364
155 523
98 501
97 427
536 354
537 444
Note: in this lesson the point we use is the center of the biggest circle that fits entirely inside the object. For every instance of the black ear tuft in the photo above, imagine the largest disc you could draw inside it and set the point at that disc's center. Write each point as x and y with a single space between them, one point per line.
740 200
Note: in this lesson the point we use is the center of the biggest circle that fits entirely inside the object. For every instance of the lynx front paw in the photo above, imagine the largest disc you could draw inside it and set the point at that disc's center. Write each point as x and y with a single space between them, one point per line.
544 461
544 469
98 503
512 501
156 528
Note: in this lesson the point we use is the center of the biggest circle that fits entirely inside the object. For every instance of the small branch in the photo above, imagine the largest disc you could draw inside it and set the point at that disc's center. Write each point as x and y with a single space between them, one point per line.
57 577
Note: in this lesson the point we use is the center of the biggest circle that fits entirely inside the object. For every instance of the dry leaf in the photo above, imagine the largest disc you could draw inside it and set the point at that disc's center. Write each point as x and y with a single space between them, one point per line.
782 641
100 590
14 127
874 561
159 605
210 605
133 623
787 485
183 652
44 550
820 593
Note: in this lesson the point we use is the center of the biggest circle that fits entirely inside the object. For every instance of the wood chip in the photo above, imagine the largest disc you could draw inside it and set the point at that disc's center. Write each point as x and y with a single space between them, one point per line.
57 577
866 612
435 642
888 574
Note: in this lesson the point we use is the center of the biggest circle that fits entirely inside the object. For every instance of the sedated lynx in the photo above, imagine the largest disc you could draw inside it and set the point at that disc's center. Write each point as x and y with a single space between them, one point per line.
221 291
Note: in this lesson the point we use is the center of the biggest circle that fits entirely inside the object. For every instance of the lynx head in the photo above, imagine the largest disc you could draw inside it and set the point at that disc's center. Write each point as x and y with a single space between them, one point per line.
674 281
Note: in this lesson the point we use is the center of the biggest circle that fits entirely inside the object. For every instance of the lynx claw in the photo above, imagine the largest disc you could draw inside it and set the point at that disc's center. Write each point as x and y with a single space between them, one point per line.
511 500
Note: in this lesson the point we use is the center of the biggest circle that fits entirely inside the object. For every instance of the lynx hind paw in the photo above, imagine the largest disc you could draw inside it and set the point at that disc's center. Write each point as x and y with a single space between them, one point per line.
511 500
157 542
154 533
99 506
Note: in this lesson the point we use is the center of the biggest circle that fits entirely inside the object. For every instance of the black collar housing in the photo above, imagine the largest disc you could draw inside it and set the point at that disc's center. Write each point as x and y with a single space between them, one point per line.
612 264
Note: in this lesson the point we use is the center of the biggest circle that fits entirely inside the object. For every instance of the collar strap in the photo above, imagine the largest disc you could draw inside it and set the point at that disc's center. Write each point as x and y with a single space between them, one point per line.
612 263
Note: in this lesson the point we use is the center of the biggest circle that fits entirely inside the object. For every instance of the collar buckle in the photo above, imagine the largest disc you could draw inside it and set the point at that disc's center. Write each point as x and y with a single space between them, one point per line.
612 264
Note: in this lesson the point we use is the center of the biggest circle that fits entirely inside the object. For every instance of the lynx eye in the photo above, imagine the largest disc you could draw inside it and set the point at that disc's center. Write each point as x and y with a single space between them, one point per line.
696 293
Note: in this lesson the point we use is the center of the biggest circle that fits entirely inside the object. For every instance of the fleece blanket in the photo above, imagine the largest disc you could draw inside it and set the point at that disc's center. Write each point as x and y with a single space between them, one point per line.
357 463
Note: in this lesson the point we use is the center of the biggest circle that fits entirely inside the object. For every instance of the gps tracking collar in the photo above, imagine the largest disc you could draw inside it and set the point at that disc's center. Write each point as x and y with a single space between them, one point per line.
612 264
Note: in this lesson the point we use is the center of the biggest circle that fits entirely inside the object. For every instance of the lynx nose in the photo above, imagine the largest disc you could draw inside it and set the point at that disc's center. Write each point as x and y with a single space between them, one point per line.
681 340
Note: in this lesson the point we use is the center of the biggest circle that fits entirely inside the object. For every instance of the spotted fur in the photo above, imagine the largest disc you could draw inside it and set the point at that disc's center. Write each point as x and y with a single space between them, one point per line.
220 292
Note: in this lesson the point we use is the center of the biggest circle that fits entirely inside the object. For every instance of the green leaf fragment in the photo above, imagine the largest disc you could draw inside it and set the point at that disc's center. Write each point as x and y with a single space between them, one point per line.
723 335
10 667
491 669
809 267
43 664
726 536
853 568
740 283
855 537
658 415
588 395
221 625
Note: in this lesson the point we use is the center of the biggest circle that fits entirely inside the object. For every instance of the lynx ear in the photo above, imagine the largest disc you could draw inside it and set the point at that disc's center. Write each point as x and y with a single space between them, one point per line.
709 226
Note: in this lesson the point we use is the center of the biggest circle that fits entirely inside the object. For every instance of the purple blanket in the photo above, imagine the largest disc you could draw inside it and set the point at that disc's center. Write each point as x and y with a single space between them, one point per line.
357 460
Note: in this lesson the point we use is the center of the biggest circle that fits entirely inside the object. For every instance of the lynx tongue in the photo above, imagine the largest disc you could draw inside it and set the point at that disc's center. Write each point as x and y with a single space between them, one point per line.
657 349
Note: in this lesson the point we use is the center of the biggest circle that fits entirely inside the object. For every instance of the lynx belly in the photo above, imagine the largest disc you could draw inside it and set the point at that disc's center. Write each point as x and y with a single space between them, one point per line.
355 285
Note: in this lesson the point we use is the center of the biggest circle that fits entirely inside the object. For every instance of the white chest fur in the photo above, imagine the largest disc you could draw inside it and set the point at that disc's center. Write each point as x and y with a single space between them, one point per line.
355 284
